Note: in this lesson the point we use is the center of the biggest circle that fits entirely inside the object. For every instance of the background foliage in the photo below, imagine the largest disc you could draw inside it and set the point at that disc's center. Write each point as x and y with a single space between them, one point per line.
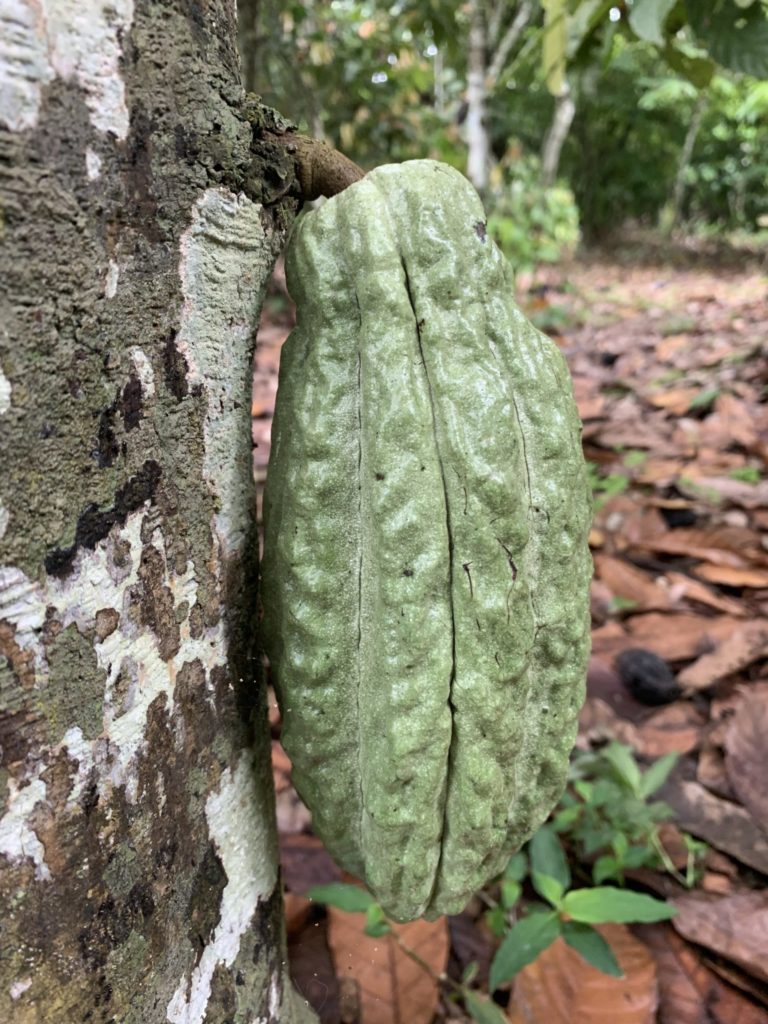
671 102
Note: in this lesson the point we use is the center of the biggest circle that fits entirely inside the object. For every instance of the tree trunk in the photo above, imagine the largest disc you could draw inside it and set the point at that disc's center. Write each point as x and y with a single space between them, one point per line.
686 154
565 109
139 874
477 132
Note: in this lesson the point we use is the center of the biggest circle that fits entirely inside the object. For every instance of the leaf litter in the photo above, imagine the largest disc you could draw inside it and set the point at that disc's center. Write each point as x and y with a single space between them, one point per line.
669 373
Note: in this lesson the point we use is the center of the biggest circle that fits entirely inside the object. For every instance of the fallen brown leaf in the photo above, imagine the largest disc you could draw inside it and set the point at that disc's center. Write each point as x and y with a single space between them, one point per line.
735 546
689 992
683 587
745 644
675 729
392 986
723 824
305 862
312 971
677 400
678 637
735 927
731 576
746 745
631 584
559 987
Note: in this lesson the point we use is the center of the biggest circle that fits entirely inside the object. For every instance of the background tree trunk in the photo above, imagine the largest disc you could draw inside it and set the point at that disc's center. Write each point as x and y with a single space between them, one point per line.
138 855
557 133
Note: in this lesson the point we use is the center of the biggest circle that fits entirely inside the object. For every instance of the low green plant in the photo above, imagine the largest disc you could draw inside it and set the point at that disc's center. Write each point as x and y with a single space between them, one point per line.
605 486
531 224
604 816
607 815
746 474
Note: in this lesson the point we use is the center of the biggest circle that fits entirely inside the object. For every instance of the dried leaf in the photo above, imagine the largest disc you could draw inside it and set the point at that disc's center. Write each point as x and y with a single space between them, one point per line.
745 644
723 546
313 973
746 744
676 729
677 400
722 823
683 587
561 988
689 992
731 576
679 637
392 986
631 584
735 927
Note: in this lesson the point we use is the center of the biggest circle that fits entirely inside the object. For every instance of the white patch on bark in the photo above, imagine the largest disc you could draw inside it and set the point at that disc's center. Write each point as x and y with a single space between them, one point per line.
24 66
144 371
74 39
240 824
92 164
5 393
18 988
17 840
79 748
110 284
5 518
131 651
222 265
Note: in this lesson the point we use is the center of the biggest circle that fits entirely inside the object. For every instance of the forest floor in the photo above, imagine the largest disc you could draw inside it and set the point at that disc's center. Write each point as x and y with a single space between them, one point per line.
670 371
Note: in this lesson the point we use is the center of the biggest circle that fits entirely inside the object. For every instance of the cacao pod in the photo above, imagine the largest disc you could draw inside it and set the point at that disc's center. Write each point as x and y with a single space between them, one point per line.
426 569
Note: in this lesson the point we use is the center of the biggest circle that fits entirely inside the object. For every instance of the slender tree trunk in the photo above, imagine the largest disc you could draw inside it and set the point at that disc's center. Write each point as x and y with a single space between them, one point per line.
685 158
476 130
565 110
138 861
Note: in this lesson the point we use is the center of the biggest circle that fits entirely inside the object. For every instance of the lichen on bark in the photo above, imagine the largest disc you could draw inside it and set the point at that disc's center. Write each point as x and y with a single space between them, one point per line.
138 236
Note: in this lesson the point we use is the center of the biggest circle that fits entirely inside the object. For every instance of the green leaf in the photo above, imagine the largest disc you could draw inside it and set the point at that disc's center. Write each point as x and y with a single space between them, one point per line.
647 17
510 893
605 867
496 919
484 1011
592 946
607 903
657 774
343 896
698 70
376 923
517 867
469 973
548 857
549 888
704 399
736 38
624 764
522 944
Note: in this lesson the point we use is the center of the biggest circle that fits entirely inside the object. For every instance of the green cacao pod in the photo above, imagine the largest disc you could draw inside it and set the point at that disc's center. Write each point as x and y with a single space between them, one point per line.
426 569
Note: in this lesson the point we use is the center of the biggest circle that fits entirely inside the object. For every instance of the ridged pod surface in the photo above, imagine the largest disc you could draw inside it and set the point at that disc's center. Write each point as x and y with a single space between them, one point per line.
426 569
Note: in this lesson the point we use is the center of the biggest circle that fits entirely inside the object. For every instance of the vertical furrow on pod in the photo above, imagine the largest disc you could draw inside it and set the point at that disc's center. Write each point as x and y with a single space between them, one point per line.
313 542
451 269
559 515
406 641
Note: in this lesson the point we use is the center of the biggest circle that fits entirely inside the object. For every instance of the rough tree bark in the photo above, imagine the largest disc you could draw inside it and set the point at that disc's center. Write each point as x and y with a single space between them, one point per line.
142 210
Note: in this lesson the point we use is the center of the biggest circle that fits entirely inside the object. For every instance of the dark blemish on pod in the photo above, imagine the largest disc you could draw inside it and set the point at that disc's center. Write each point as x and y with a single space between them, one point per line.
379 476
480 230
407 572
465 567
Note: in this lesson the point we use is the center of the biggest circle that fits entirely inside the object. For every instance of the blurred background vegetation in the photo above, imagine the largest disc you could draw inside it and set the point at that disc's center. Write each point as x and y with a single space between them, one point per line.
571 117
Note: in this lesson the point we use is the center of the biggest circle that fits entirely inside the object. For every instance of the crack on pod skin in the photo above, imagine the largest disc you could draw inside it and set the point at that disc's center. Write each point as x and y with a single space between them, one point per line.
452 678
359 566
